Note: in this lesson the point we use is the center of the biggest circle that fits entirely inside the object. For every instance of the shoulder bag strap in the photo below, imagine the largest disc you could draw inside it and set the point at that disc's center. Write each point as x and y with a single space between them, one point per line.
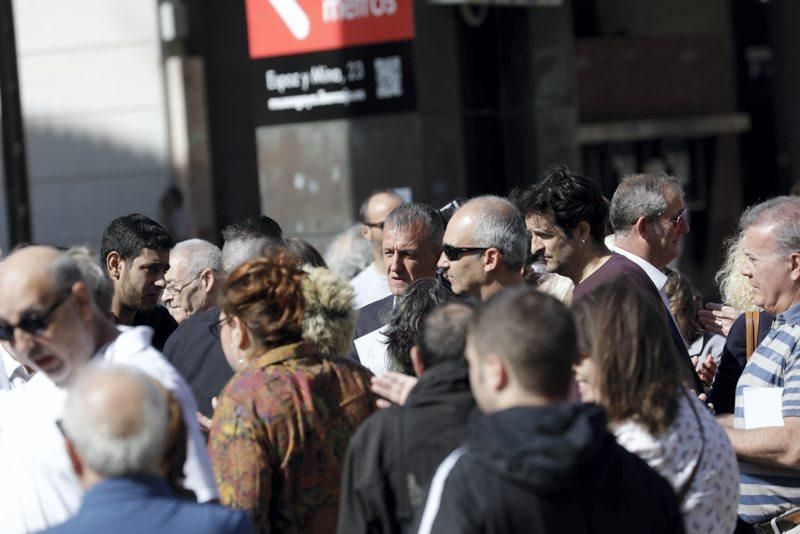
751 320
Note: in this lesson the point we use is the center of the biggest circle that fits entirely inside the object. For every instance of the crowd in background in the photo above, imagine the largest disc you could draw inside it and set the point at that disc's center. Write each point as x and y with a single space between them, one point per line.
535 363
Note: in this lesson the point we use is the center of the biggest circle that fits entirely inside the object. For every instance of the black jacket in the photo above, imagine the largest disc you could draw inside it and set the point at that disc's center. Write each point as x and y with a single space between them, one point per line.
198 357
160 320
394 453
732 362
547 469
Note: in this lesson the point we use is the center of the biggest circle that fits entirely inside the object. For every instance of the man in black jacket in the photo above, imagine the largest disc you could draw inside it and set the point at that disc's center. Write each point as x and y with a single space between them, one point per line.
393 454
533 463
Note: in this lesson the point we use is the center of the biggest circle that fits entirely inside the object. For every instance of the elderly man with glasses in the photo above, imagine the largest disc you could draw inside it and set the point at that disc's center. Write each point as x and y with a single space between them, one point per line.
194 278
50 320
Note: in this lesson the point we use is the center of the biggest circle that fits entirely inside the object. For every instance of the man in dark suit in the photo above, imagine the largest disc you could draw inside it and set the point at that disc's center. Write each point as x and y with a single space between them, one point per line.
115 424
412 243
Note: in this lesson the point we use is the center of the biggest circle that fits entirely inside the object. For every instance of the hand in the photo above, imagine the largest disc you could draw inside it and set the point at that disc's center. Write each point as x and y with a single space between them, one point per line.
706 370
205 422
717 318
393 387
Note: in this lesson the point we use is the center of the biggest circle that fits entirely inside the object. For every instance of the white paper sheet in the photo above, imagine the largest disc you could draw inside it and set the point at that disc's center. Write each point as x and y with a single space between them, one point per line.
372 351
763 407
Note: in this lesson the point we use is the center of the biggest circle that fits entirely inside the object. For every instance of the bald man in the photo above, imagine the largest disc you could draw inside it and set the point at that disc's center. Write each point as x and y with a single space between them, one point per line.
485 246
115 423
51 322
371 283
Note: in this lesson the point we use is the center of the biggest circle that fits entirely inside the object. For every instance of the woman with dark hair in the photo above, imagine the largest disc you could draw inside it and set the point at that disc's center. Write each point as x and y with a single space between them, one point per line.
630 367
282 424
405 320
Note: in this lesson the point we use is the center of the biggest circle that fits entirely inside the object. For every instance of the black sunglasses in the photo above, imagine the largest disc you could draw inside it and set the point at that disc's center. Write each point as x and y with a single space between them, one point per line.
34 323
374 225
454 253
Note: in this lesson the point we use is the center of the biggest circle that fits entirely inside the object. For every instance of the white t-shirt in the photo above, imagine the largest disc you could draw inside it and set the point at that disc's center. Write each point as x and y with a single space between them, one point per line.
38 488
713 495
369 285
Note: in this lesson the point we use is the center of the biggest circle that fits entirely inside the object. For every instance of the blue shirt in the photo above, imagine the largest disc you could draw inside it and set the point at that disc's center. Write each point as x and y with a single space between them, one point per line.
767 491
134 505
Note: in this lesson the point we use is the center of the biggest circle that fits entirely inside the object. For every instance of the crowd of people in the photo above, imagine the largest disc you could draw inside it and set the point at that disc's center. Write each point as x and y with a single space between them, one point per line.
533 363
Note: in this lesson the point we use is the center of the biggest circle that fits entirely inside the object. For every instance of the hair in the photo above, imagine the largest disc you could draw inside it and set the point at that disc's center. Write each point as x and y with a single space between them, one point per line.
247 240
569 197
306 252
362 211
405 320
533 333
414 213
734 288
200 255
111 444
783 214
96 278
500 225
684 303
349 253
130 234
640 195
640 373
329 319
65 272
266 294
443 333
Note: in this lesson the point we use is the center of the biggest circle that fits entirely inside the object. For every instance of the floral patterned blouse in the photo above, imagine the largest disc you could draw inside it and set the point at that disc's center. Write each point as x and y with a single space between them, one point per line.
280 434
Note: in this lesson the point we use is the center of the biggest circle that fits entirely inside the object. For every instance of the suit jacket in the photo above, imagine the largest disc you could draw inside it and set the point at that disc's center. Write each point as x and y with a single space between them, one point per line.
370 318
619 266
133 505
198 356
160 320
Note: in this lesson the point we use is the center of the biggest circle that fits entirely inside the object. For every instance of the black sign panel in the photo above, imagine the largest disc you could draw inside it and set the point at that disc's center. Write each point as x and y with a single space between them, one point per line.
335 84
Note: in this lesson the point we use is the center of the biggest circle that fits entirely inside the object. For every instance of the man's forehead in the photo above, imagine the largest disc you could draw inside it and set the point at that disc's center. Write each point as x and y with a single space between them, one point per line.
21 290
759 239
381 205
541 222
150 255
409 236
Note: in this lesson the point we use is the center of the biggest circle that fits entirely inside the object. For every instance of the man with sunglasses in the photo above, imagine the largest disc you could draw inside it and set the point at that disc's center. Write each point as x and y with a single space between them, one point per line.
50 320
485 246
135 252
371 283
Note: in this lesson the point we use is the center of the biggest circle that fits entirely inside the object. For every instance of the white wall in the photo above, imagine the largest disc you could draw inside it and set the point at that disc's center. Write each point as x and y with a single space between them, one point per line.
92 98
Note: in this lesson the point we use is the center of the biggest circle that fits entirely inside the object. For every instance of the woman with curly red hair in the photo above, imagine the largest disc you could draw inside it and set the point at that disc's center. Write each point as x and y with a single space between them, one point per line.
282 424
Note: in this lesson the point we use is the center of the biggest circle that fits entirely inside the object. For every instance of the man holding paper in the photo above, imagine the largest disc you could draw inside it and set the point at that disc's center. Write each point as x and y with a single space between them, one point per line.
770 455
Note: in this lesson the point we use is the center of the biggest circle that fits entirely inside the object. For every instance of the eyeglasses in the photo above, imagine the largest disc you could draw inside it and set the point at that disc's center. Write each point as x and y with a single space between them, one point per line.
34 323
678 219
216 327
378 225
173 288
454 253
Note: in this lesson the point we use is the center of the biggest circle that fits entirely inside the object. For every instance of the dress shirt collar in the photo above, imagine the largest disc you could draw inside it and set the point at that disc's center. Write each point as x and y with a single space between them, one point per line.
656 275
791 316
15 371
285 352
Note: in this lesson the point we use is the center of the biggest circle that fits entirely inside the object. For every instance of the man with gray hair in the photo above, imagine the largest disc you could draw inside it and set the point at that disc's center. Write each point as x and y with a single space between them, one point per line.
649 218
50 320
248 239
194 278
115 426
485 246
412 241
769 456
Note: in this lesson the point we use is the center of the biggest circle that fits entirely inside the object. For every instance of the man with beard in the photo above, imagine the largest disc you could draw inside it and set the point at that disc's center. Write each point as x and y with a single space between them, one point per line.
135 252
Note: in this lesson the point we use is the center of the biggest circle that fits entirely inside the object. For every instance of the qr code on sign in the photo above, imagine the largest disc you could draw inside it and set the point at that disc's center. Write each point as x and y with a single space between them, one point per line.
388 77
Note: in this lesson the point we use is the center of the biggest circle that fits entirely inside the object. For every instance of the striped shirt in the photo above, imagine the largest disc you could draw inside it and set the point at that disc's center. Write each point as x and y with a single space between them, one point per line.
767 491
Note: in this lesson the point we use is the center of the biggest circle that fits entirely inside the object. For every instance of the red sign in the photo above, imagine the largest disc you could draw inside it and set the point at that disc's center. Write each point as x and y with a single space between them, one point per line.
288 27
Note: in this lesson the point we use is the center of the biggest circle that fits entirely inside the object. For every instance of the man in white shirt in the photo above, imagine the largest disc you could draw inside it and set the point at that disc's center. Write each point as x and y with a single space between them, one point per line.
49 318
371 283
13 374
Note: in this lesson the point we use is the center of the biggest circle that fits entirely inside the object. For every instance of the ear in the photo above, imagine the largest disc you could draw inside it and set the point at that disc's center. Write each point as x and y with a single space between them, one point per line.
583 231
640 226
240 335
496 372
114 264
208 280
794 266
82 300
365 231
74 458
416 361
492 259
